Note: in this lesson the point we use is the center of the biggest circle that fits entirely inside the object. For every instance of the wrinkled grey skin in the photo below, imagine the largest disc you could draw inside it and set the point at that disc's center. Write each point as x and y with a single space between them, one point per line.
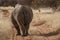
21 18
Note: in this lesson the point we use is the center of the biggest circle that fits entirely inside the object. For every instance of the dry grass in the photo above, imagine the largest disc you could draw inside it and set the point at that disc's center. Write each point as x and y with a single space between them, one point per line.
42 23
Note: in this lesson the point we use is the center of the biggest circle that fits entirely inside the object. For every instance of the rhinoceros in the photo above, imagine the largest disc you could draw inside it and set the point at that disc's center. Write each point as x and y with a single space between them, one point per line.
21 17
